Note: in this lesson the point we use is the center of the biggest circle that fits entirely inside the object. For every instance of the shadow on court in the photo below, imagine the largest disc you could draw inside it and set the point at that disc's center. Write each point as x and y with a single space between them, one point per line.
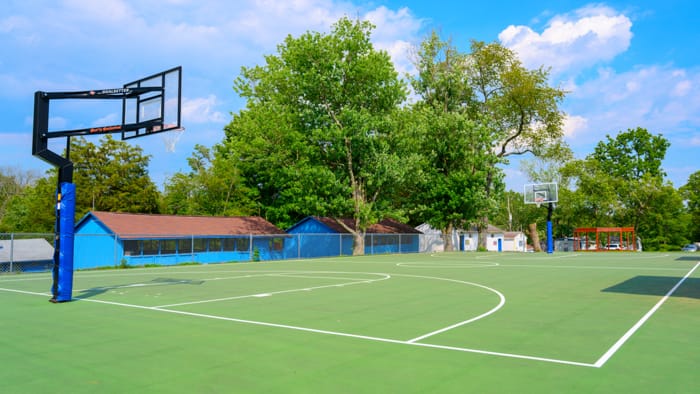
95 291
689 258
658 286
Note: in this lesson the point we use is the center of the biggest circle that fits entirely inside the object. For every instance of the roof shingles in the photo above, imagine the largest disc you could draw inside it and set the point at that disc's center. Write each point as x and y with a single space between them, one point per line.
130 225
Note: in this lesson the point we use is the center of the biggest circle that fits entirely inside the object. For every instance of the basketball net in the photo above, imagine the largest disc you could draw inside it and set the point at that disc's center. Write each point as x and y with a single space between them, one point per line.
539 201
170 138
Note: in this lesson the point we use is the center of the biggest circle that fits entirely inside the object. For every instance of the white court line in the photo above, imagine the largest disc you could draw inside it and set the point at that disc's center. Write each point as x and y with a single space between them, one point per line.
501 297
25 292
343 334
598 364
601 361
358 281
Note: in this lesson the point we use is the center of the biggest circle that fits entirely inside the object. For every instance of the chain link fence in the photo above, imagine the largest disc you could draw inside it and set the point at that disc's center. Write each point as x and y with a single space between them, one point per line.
34 252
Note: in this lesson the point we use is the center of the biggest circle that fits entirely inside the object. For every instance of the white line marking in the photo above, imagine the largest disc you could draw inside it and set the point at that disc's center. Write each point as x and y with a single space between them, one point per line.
25 292
602 360
493 310
358 281
347 335
597 364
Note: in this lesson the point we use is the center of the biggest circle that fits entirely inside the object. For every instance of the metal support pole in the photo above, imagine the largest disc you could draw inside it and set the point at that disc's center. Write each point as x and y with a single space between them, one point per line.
550 240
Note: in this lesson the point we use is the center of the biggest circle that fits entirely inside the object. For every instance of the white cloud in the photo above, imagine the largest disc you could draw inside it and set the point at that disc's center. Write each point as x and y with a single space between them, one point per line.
682 88
101 12
571 42
658 98
574 124
396 33
201 110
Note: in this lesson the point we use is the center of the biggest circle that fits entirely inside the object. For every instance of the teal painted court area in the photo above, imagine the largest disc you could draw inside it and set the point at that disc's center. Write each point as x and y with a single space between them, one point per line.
449 322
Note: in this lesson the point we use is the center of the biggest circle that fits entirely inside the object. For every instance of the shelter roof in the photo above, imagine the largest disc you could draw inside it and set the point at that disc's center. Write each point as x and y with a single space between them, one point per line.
131 225
19 250
386 226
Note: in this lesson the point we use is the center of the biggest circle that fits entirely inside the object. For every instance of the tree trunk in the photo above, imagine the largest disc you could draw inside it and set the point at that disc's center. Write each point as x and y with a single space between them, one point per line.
447 237
358 243
483 228
535 238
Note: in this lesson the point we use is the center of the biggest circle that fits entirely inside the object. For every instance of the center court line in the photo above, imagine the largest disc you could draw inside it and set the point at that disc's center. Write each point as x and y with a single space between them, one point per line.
602 360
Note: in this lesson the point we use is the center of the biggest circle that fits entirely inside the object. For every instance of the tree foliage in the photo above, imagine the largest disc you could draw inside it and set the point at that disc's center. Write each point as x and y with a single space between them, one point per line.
12 182
315 136
517 104
690 193
32 210
112 176
455 149
622 184
212 187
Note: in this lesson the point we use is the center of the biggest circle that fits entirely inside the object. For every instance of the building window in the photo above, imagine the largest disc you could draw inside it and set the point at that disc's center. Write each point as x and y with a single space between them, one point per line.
184 246
150 246
242 244
132 248
167 246
200 244
277 244
215 245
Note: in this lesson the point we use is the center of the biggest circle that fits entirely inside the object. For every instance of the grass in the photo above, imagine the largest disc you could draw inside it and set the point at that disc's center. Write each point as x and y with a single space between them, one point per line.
450 322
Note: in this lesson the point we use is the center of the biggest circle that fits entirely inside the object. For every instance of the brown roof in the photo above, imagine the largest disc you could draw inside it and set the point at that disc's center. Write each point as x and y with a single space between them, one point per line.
128 225
386 226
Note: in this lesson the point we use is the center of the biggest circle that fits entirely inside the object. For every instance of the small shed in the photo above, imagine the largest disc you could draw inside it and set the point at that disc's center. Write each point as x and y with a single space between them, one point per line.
107 239
26 255
468 240
325 236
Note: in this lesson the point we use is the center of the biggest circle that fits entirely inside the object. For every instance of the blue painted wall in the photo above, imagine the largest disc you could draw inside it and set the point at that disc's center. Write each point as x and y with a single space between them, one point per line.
97 246
315 239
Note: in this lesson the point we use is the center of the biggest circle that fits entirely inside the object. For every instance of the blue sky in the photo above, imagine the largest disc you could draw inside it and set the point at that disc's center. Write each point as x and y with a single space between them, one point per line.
626 64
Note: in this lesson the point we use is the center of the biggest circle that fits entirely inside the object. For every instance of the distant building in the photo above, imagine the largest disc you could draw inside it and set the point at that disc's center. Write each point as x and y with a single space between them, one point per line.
468 239
324 236
25 255
108 239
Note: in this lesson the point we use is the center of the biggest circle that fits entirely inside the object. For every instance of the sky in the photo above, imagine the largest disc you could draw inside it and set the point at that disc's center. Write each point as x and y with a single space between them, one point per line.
624 64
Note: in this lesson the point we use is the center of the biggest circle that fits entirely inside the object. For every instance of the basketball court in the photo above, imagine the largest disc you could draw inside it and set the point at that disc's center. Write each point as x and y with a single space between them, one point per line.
449 322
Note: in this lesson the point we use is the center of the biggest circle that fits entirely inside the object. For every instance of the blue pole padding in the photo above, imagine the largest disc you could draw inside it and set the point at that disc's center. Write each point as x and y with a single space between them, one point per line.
66 217
550 241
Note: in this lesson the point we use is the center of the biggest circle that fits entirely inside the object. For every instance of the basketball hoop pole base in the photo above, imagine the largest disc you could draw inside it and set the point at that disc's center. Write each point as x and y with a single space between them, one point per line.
550 241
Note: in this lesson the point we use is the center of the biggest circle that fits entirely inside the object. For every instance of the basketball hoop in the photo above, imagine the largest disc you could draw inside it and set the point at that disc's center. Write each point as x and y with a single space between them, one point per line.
539 201
170 138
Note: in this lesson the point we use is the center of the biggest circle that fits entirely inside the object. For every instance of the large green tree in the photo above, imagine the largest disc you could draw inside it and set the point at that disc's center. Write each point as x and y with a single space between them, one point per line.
316 134
622 184
456 150
691 194
516 103
112 176
209 188
32 210
12 182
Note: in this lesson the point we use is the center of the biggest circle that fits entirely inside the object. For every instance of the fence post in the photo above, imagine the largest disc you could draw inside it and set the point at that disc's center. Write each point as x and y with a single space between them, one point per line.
12 250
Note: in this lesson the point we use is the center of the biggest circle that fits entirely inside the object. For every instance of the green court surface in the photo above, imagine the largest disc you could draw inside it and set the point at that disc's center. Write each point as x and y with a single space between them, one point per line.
611 322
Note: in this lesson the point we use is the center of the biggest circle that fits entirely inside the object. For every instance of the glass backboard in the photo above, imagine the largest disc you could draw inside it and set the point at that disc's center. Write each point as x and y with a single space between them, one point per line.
540 193
157 109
